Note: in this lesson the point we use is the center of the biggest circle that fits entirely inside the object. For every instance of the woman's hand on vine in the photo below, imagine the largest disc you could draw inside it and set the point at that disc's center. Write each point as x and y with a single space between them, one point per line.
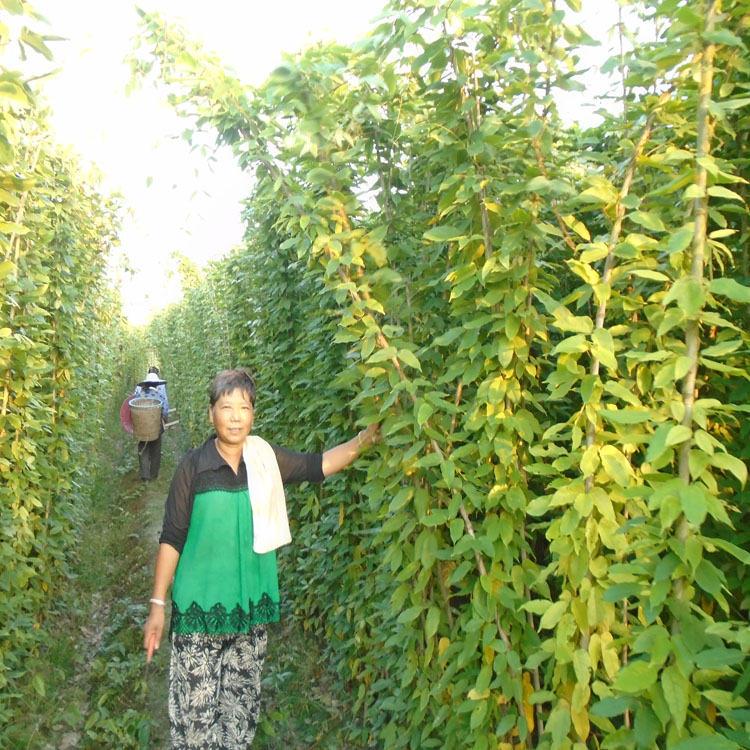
369 436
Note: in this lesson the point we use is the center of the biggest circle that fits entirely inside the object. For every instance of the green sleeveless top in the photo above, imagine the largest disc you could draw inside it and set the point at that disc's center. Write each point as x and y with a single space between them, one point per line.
221 585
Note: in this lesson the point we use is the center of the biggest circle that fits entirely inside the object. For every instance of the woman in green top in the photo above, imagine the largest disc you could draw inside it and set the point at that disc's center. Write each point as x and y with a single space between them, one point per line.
224 517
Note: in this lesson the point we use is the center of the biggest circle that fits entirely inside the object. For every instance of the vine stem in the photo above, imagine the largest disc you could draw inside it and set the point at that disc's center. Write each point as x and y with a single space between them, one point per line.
609 263
15 238
700 209
700 206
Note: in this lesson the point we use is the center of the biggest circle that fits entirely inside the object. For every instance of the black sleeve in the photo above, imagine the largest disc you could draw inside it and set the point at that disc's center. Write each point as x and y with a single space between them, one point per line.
298 467
179 505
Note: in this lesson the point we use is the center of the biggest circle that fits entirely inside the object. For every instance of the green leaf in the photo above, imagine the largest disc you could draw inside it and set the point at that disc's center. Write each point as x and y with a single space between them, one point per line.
693 501
742 555
625 416
688 293
448 337
707 742
715 658
409 358
558 725
649 220
36 42
536 606
646 727
609 707
39 685
431 622
603 348
709 578
590 461
676 689
566 321
731 464
6 267
382 355
723 36
721 192
636 677
553 615
620 591
650 275
14 7
730 288
424 413
678 434
410 614
572 344
320 175
722 349
694 191
445 233
680 240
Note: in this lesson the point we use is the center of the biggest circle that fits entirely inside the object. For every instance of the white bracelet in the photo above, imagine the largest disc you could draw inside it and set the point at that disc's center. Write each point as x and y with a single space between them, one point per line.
158 601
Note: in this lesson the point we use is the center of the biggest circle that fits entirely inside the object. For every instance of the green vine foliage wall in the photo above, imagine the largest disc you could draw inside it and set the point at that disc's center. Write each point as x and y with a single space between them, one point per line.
60 332
550 324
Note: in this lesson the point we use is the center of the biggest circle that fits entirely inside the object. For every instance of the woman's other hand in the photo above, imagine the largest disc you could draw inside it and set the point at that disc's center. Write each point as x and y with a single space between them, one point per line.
153 630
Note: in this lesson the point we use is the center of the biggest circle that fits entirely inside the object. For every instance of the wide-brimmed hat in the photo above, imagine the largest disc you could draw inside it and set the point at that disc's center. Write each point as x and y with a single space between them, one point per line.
152 379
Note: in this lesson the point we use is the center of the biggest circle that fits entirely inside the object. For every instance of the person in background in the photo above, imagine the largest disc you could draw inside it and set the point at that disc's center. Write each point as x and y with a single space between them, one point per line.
225 516
149 451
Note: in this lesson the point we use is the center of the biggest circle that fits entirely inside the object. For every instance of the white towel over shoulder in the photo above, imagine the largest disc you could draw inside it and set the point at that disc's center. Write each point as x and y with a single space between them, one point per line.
267 500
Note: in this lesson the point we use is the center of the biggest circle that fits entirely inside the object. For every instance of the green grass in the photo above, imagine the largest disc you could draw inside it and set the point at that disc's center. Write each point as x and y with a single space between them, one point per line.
301 706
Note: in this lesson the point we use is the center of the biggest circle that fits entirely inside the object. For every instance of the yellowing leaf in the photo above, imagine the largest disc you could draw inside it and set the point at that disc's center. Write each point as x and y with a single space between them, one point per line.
578 227
616 466
528 708
443 644
475 696
553 615
581 722
590 460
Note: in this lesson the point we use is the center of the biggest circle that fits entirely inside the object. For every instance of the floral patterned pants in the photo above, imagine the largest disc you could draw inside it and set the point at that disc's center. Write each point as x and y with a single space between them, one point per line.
214 689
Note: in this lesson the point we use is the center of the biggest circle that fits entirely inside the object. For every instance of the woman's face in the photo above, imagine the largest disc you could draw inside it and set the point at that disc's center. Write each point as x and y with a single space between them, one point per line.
232 417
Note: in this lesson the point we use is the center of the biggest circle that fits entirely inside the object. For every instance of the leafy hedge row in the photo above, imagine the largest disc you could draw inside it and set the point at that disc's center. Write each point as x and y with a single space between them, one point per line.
60 327
551 324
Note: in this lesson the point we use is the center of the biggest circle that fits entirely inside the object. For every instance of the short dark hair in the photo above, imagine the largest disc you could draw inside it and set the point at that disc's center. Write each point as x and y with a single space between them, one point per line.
232 380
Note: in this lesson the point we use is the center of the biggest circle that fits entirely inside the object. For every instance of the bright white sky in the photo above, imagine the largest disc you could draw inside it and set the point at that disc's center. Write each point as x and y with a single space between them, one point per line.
177 203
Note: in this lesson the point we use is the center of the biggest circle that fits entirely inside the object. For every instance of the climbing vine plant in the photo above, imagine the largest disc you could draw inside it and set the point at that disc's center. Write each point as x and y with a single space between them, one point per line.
59 326
550 325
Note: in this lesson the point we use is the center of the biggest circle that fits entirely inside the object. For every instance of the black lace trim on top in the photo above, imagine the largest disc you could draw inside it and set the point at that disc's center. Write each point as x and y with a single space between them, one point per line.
218 620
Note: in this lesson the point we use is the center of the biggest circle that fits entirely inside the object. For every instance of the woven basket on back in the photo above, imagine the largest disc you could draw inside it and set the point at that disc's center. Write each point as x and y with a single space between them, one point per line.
146 415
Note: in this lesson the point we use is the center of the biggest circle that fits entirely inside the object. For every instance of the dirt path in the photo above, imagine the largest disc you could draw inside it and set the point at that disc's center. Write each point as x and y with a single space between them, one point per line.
157 672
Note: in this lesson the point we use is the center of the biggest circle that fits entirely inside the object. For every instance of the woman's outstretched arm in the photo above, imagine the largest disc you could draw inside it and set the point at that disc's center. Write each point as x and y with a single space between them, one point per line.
340 456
